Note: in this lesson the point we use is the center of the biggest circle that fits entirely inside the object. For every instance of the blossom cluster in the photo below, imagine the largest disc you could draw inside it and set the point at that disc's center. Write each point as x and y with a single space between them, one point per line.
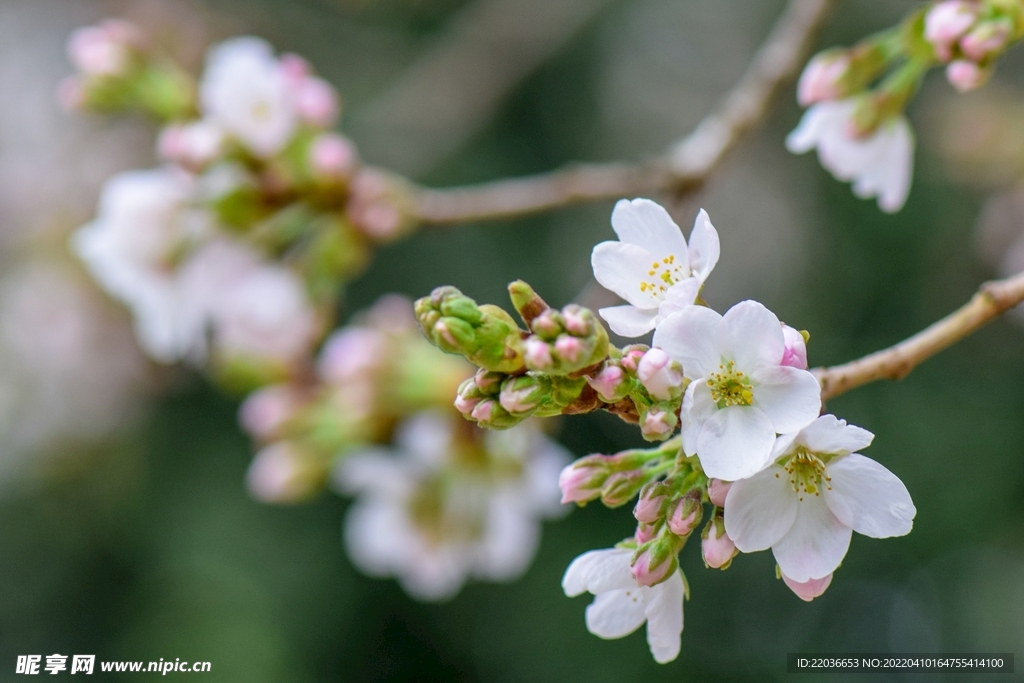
233 251
856 97
751 441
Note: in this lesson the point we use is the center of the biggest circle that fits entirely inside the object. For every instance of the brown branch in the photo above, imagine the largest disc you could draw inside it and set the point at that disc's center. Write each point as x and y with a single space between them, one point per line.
684 167
992 300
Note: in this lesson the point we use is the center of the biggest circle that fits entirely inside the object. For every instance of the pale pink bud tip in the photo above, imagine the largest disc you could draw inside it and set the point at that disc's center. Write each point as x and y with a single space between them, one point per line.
572 481
466 405
717 491
575 323
985 40
646 575
332 156
294 68
569 348
795 355
820 79
266 410
717 550
483 411
607 382
659 376
648 509
808 590
631 358
645 532
965 75
538 354
946 22
657 424
317 103
278 474
680 525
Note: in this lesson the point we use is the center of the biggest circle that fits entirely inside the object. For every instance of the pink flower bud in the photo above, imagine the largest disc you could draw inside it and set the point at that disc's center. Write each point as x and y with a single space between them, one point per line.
537 354
795 355
965 75
686 515
608 383
568 348
632 357
717 491
263 412
658 424
808 590
484 410
350 353
317 103
95 52
521 399
581 481
946 22
645 532
985 40
193 145
718 550
281 474
821 77
649 505
576 323
295 70
660 375
653 565
466 405
546 325
487 380
332 156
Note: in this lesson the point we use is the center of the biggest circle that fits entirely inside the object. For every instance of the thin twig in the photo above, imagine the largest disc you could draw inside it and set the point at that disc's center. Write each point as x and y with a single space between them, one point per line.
684 167
992 300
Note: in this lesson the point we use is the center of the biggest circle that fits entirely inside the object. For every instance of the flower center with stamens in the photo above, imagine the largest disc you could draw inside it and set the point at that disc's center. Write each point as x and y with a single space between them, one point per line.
665 273
806 473
729 387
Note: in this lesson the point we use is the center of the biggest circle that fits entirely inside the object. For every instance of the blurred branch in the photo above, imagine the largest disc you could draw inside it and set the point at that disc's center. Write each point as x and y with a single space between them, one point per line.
992 300
684 167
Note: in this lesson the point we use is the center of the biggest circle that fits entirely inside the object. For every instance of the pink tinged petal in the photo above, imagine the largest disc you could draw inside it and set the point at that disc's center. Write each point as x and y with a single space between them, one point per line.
808 590
648 225
735 443
828 434
704 247
691 337
622 268
616 613
791 398
598 571
795 355
816 543
759 511
663 605
752 336
869 498
815 121
717 491
629 321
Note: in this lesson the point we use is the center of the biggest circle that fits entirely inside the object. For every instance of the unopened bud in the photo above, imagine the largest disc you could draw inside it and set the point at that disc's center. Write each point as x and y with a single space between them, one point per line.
660 375
569 348
716 546
193 145
610 382
316 102
645 532
658 424
795 355
547 325
822 76
650 506
264 412
717 491
555 349
620 487
808 590
654 562
946 22
582 481
985 40
489 413
332 156
485 335
537 354
104 49
632 355
965 75
685 516
280 473
471 392
523 394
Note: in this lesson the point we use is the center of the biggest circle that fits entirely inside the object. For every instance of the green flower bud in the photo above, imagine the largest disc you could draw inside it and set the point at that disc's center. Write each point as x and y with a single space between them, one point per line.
566 342
486 335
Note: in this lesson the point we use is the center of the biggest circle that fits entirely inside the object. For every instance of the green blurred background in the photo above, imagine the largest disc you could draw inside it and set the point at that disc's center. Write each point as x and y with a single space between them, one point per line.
134 538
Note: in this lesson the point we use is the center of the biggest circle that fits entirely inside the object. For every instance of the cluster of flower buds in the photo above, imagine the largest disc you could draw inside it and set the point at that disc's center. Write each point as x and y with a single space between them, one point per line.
258 217
856 96
751 441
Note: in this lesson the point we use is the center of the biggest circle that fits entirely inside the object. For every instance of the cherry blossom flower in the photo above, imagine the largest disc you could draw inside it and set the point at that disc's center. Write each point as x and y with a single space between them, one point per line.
246 91
806 505
946 22
144 219
651 266
621 606
880 164
740 393
433 523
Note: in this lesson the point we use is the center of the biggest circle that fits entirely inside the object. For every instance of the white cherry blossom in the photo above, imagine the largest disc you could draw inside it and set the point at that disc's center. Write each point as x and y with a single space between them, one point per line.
621 606
432 522
651 266
879 165
807 504
741 394
246 92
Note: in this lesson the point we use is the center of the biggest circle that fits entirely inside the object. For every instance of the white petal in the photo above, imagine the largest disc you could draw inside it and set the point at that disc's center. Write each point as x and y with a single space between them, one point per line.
735 443
648 225
622 268
663 605
435 576
751 335
616 613
784 445
691 337
704 247
629 321
790 397
869 498
813 124
598 571
377 537
760 510
899 167
828 434
816 543
679 296
374 470
542 470
697 407
510 541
